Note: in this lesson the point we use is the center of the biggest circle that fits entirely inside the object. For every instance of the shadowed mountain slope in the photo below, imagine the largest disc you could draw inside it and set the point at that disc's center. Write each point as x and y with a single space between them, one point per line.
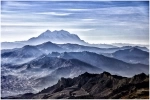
95 86
112 65
132 55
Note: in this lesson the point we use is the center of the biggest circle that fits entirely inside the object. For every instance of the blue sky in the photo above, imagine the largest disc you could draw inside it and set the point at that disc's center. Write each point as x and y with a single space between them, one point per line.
94 22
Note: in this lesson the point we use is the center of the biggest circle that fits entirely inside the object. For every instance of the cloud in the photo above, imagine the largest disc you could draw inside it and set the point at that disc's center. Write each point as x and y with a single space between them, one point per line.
88 19
75 9
55 13
121 10
105 19
17 4
14 5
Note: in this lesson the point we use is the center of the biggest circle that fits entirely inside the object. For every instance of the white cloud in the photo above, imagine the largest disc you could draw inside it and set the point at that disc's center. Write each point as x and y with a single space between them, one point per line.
55 13
17 4
110 10
114 10
88 19
74 10
92 21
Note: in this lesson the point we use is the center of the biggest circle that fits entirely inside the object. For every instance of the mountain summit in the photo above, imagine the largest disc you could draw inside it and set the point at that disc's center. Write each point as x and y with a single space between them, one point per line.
59 37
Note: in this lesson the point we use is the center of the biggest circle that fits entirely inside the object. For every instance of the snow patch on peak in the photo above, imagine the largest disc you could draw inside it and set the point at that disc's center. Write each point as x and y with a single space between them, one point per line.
133 49
59 37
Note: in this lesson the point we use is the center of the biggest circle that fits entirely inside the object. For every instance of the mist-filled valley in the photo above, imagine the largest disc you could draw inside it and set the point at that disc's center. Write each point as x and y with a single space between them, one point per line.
42 61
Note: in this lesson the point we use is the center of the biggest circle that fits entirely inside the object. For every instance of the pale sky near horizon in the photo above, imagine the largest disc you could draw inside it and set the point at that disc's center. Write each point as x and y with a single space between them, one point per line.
94 22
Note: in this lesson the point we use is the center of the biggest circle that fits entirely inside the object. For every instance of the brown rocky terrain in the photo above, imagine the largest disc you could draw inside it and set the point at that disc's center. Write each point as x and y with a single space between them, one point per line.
95 86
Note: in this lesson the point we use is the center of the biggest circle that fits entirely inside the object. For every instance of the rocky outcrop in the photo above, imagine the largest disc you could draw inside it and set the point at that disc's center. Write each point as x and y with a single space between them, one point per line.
95 86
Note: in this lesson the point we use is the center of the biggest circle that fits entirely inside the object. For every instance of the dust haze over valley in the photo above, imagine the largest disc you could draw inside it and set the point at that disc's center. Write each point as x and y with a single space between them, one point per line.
57 64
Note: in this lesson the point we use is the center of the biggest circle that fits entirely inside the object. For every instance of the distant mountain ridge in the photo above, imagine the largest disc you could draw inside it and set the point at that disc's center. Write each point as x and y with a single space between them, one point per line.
41 61
109 64
48 68
59 37
128 44
132 55
29 51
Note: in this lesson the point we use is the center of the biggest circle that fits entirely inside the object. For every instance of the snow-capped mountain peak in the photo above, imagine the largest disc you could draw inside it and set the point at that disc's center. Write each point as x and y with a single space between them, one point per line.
56 34
59 37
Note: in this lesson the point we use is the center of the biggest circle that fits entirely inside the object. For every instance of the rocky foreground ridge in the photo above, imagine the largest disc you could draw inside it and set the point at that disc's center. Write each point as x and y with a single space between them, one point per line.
94 86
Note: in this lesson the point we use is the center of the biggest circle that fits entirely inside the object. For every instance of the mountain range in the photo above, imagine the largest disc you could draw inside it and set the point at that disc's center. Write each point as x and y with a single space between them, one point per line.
49 68
38 63
47 71
132 55
20 55
94 86
112 65
55 37
58 37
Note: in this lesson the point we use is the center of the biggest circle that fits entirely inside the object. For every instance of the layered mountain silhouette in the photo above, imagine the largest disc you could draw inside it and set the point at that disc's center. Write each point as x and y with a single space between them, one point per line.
38 63
28 52
128 44
132 55
78 48
59 37
94 86
112 65
20 54
41 73
48 69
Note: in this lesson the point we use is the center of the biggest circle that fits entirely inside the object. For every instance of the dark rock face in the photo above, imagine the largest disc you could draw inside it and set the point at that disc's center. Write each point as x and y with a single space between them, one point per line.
95 86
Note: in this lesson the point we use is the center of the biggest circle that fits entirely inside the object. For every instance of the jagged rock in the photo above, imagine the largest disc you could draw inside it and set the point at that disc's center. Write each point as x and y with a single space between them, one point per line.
95 86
